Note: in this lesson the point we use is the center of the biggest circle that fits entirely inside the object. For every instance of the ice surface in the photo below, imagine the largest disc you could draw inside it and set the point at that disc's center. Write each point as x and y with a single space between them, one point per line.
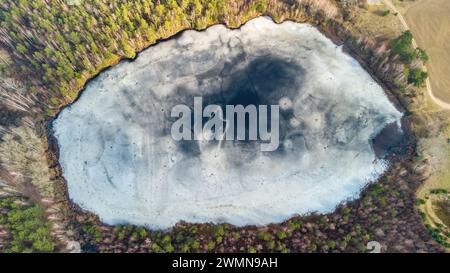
121 163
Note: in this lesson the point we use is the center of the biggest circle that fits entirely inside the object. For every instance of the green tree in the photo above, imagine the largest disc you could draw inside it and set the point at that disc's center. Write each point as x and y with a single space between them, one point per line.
417 77
28 227
402 45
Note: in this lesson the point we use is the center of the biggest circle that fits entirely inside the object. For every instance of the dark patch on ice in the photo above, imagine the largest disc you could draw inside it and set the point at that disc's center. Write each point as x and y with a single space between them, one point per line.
263 81
392 140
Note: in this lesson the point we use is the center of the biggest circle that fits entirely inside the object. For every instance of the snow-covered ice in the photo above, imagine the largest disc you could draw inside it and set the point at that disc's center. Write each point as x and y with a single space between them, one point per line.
121 163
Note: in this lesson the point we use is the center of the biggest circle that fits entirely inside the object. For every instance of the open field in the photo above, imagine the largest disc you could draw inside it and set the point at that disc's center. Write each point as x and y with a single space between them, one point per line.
377 25
429 21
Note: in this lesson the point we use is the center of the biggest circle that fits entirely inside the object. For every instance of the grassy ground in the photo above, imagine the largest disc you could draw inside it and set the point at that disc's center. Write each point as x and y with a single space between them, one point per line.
430 25
442 211
437 151
376 23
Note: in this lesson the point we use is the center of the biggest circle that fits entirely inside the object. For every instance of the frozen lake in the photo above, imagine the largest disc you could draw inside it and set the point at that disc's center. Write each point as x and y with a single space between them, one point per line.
120 161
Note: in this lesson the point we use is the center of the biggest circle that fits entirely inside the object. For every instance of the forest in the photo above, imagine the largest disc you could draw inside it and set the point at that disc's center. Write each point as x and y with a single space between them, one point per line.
63 45
58 45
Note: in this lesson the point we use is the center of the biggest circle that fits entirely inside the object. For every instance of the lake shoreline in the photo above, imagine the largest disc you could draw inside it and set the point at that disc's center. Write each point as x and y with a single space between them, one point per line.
54 150
54 144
